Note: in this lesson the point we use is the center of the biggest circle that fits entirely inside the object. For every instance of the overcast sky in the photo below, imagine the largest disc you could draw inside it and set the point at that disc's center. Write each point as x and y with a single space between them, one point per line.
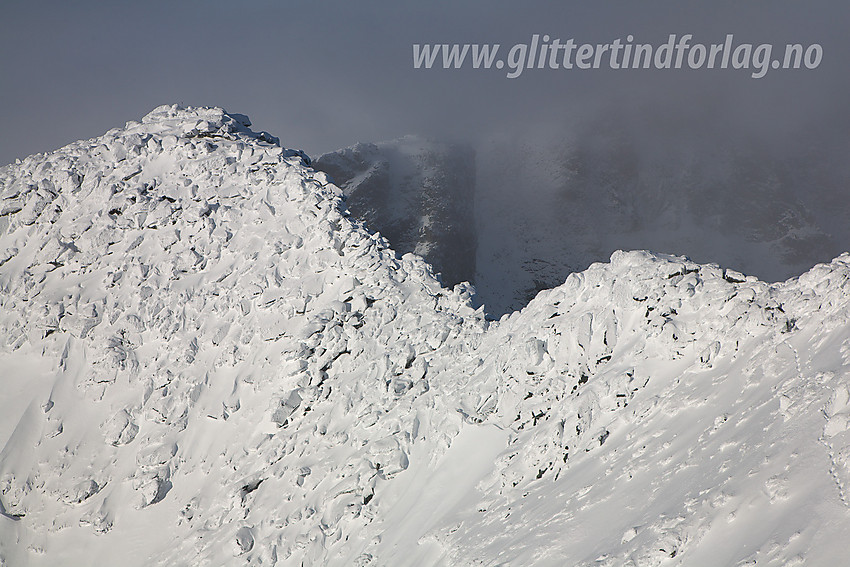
325 74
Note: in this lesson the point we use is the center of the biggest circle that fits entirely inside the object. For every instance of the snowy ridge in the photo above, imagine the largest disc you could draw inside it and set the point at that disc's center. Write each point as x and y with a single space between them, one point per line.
666 413
194 287
206 362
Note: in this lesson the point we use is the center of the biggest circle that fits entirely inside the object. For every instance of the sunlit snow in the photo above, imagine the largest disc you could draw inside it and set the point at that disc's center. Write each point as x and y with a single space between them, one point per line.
204 361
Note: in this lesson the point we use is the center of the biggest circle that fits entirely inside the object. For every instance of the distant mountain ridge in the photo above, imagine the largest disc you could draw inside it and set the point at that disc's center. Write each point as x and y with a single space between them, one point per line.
560 203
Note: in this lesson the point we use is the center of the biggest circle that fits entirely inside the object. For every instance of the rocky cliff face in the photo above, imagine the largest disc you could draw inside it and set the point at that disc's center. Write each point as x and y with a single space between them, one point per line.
518 216
419 194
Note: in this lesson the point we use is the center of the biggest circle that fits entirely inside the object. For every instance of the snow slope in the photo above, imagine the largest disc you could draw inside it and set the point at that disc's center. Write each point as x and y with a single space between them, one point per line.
666 413
206 362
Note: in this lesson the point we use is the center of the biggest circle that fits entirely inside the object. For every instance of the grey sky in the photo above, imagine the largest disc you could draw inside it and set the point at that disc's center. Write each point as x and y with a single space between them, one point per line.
325 74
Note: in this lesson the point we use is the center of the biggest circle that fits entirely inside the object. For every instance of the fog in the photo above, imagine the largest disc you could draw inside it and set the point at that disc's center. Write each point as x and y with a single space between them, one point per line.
326 74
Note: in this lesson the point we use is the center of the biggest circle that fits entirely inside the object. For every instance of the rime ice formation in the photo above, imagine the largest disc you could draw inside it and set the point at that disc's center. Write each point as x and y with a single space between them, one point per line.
205 361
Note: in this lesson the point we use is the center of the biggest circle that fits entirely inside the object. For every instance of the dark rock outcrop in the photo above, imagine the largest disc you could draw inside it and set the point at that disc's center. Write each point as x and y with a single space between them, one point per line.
419 194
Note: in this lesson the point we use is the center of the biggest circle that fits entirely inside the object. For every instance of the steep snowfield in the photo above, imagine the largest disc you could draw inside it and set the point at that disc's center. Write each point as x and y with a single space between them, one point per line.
666 413
206 362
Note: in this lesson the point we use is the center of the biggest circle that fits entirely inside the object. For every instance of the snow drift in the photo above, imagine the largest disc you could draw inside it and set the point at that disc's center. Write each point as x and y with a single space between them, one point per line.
205 361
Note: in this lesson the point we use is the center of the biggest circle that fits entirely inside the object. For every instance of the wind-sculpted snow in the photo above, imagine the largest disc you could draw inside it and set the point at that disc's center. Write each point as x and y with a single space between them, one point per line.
224 344
666 413
206 362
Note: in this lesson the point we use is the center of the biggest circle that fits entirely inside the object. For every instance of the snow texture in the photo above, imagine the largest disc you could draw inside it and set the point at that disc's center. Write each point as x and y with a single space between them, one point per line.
205 361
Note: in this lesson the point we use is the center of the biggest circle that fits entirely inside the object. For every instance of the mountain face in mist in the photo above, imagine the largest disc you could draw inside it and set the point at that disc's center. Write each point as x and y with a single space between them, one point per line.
205 361
587 194
418 193
543 209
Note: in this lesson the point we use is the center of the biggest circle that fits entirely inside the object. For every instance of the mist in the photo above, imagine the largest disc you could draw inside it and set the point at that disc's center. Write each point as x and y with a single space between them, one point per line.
324 75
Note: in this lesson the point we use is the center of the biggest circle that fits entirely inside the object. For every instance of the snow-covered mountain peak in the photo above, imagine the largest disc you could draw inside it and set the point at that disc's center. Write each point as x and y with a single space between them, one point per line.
205 361
166 276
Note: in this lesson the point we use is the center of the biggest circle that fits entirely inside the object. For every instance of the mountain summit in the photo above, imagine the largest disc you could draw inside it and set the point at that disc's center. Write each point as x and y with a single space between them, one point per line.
205 361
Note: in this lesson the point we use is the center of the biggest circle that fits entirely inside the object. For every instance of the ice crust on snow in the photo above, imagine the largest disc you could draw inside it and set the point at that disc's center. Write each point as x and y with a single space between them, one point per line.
205 361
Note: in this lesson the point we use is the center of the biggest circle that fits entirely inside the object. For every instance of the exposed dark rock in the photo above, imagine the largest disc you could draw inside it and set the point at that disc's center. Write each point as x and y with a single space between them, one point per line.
419 194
